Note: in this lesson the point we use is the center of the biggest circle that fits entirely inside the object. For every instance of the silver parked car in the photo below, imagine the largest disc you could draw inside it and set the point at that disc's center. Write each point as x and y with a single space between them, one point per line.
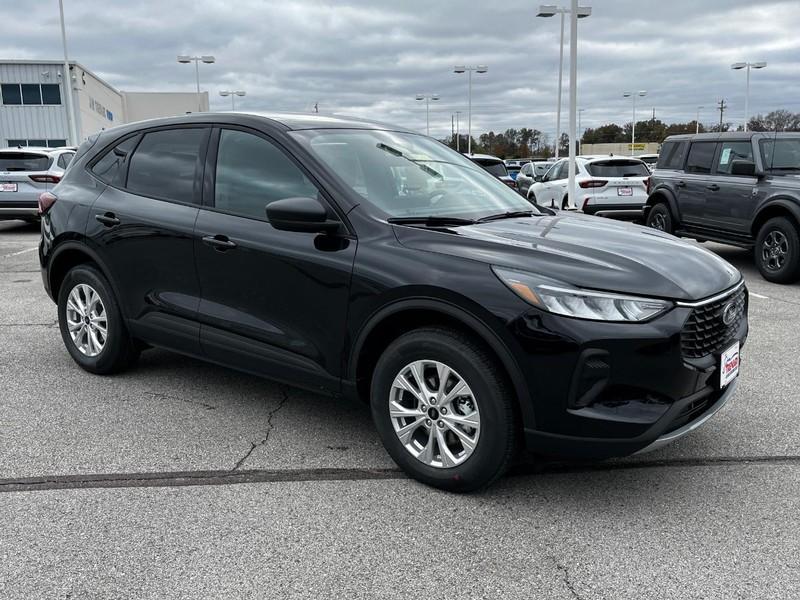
24 174
530 173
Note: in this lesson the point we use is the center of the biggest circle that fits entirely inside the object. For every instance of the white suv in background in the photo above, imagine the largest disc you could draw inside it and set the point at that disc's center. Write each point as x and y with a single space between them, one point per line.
608 186
25 173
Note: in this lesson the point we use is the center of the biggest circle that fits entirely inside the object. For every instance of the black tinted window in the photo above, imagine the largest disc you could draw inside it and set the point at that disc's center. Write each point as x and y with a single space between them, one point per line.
618 168
112 166
11 93
781 154
166 164
672 155
23 161
497 169
701 155
51 93
31 93
252 172
731 151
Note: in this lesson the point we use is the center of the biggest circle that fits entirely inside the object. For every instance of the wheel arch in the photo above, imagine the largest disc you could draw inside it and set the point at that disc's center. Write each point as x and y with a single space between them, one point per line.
662 196
68 255
401 316
777 207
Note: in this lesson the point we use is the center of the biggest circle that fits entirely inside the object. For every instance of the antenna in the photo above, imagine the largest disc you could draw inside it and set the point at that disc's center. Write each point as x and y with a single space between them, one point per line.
721 105
316 107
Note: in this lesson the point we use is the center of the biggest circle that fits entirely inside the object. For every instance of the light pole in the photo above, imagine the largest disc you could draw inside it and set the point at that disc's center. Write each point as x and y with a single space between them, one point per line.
580 129
428 98
458 135
232 94
633 95
550 10
747 66
184 59
67 80
697 119
469 70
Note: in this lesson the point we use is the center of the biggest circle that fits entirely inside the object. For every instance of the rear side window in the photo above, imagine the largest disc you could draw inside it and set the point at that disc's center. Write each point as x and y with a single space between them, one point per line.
498 169
672 155
701 155
166 164
252 172
64 159
23 161
618 168
731 151
111 168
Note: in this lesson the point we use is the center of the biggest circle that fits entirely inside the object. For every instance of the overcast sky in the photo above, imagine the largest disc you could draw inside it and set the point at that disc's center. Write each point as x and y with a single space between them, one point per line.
370 57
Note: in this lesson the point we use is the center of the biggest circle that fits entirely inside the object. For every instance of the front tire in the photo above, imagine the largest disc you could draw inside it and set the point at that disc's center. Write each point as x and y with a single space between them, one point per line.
91 323
777 251
660 218
443 409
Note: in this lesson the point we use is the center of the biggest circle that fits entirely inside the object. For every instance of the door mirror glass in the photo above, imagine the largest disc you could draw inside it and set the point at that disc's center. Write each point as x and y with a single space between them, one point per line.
743 167
300 214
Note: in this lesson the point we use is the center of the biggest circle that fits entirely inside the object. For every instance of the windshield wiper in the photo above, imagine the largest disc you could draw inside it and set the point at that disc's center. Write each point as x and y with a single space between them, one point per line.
431 221
513 214
396 152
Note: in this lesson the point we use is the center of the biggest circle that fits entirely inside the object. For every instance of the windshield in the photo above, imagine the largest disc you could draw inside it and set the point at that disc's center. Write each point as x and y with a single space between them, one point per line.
23 161
408 175
781 154
617 168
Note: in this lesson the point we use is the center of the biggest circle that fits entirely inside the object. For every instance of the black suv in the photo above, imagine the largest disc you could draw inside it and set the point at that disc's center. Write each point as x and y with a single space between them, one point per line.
362 260
736 188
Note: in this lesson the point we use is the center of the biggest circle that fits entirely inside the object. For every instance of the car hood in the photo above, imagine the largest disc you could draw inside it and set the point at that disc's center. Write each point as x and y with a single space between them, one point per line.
586 251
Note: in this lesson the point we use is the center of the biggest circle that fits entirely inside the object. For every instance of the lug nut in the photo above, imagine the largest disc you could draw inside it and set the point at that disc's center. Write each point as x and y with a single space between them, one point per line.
433 400
427 421
440 423
443 410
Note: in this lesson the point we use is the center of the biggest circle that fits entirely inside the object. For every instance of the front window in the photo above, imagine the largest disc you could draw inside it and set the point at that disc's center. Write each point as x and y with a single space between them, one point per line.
781 155
409 175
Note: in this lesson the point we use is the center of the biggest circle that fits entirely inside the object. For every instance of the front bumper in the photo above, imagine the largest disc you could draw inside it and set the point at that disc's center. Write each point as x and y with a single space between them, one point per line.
600 390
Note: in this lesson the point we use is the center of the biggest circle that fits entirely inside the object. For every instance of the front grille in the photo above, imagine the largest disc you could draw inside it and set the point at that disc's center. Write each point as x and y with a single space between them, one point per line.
705 332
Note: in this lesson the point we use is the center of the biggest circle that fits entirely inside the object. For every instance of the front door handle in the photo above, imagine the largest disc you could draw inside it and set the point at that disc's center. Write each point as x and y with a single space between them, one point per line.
713 187
219 242
108 219
681 184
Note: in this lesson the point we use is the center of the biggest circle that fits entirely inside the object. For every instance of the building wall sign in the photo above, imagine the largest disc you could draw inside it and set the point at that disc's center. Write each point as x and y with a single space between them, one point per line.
100 109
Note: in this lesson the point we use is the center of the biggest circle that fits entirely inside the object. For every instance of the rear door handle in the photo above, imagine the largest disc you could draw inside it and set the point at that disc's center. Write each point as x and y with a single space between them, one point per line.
681 184
108 219
219 242
713 187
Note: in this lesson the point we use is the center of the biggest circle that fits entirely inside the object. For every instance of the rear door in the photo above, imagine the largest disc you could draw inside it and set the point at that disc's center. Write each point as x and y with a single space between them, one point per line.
697 185
730 199
142 227
274 302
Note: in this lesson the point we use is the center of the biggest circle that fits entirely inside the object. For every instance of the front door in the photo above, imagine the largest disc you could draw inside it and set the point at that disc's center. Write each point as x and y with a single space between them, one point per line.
732 202
273 302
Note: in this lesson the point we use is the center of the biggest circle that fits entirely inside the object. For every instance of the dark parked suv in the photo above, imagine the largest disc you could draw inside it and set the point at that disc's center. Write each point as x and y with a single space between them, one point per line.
363 260
736 188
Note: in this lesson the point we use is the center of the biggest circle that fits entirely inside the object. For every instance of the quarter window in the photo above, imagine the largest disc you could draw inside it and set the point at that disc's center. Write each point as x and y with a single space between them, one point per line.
166 164
672 155
64 159
731 151
252 172
701 155
112 167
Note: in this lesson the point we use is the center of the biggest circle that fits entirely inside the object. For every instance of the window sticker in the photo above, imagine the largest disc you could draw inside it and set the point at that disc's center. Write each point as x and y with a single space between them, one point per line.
726 156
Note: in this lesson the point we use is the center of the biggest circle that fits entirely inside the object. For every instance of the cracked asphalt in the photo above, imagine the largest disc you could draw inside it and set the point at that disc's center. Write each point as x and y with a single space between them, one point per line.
180 479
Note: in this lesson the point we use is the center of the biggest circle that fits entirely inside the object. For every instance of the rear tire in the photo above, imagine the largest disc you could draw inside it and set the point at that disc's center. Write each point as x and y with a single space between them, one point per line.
660 218
427 441
777 251
91 323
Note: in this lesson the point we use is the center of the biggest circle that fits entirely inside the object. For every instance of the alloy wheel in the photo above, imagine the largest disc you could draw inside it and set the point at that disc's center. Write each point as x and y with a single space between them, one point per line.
659 221
774 250
434 413
86 320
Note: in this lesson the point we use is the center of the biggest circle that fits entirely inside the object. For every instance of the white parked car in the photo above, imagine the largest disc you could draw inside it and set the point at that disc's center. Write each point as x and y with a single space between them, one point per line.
26 172
649 159
608 186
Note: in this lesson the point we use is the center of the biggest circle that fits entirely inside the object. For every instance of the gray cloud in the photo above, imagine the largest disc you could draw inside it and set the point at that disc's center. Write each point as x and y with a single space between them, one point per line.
370 58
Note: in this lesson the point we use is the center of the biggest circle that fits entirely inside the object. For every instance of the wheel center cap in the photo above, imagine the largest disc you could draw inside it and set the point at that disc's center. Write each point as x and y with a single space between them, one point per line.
433 414
86 320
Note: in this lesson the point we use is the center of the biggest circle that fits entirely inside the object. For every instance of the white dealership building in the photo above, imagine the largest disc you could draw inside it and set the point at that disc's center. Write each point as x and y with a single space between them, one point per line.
34 111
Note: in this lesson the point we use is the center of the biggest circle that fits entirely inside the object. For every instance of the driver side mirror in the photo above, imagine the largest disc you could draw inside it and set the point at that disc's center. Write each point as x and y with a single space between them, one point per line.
538 178
300 214
744 167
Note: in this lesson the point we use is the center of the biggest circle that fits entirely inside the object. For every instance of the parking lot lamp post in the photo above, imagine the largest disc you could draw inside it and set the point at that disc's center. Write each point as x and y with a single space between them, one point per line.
469 70
747 66
580 129
697 119
233 94
458 135
428 98
633 95
184 59
67 80
550 10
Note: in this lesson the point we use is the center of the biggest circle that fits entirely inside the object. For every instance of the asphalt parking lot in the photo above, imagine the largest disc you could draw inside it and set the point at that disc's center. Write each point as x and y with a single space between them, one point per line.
180 479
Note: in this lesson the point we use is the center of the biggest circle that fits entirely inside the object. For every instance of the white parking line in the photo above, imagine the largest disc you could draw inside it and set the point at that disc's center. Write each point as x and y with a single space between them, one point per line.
21 252
759 296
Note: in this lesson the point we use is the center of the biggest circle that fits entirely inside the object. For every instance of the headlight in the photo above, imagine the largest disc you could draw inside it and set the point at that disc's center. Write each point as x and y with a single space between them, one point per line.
563 299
